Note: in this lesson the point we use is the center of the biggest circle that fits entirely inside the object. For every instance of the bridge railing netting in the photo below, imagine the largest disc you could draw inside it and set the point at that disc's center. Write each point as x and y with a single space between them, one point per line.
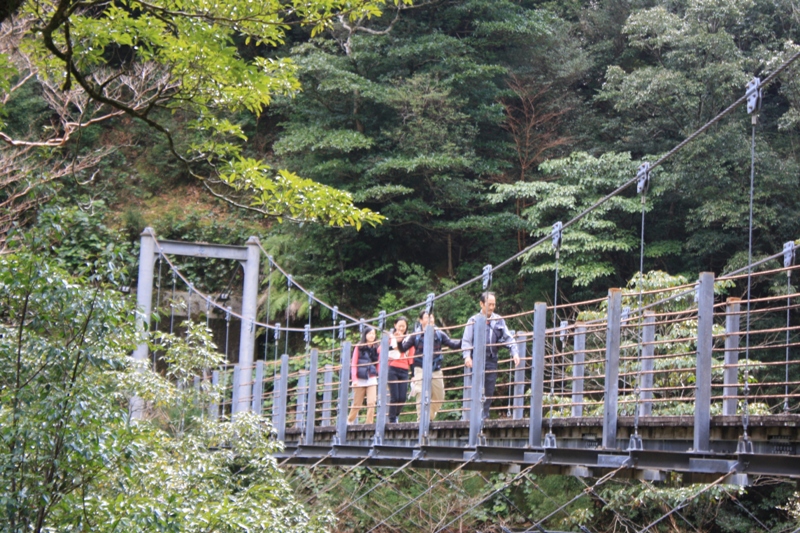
752 365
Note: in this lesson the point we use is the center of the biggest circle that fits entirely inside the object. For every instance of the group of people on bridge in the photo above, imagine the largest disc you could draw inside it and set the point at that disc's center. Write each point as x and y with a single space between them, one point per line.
406 361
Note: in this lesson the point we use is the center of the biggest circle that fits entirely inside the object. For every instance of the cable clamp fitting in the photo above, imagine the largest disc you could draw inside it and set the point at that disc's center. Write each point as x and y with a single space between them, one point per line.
335 313
429 303
744 445
555 234
277 331
341 330
643 178
635 443
487 277
788 254
307 333
563 325
381 320
753 95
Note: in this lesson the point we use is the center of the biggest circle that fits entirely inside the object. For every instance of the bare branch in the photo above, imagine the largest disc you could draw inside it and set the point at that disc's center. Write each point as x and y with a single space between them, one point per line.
230 200
531 122
359 25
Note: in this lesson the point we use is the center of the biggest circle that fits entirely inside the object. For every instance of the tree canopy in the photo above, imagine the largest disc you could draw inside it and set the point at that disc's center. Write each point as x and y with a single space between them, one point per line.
205 60
395 149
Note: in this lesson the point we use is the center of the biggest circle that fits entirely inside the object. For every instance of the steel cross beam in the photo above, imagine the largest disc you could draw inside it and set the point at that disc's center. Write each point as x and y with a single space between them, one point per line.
249 255
649 465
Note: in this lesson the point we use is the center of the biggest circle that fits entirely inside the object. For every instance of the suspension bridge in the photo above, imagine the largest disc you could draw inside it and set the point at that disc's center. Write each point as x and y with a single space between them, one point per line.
638 384
628 389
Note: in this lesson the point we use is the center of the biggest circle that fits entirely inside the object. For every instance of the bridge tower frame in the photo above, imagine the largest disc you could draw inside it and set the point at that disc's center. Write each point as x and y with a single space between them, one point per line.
248 255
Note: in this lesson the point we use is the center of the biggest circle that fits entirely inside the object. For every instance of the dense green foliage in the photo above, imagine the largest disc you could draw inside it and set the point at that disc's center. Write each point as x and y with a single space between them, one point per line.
70 457
456 122
470 126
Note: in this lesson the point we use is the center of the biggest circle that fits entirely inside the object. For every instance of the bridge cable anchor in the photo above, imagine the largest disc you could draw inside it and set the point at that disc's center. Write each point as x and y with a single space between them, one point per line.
635 442
549 440
745 445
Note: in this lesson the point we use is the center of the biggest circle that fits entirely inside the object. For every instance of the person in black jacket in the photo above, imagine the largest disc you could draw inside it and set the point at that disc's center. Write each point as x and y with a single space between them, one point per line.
364 375
440 339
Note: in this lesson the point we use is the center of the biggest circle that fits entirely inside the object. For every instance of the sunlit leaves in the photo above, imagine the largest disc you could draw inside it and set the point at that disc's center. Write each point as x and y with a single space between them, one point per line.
291 196
197 45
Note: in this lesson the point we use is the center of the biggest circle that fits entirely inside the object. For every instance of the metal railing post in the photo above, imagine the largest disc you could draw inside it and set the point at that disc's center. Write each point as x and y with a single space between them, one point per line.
258 388
705 343
519 379
731 372
578 369
382 396
612 369
280 424
300 415
276 399
344 391
327 395
427 379
537 373
213 408
648 350
478 370
311 402
235 390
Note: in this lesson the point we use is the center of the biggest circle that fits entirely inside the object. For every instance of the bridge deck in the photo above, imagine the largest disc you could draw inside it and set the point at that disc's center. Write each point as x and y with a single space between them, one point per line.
666 447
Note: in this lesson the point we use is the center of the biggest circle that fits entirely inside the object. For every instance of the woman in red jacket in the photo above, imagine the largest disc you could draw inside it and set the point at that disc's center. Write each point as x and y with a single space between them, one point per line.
399 363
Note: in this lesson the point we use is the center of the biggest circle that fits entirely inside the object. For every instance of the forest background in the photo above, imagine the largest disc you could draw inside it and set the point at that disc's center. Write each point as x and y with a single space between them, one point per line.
470 125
